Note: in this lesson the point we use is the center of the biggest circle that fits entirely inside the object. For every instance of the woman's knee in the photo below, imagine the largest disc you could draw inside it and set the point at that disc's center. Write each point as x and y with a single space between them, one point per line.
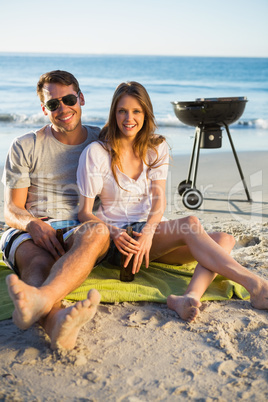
225 240
191 225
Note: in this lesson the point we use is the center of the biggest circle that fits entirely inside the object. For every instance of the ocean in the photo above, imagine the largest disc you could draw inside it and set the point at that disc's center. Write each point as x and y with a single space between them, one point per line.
166 79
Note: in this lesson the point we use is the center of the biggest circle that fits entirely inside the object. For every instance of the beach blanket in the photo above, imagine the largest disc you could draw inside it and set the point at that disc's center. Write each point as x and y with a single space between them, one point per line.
154 284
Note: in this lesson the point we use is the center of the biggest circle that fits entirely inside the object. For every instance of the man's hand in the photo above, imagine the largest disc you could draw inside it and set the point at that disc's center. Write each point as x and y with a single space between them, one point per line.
44 236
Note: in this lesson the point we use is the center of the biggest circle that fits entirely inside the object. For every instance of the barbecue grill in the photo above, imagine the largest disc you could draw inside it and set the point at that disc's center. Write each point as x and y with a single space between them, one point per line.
209 116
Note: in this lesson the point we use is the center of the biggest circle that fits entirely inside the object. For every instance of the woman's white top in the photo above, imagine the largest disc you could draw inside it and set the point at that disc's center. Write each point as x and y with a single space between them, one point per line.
120 206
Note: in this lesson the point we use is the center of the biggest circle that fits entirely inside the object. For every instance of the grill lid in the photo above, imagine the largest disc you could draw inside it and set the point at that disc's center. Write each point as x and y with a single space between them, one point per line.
234 99
210 111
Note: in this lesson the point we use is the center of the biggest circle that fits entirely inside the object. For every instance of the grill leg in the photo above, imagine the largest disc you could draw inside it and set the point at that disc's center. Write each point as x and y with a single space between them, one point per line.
198 135
238 164
194 158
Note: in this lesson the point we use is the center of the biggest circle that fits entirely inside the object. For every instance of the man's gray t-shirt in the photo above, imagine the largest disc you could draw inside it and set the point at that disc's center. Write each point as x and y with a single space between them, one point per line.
48 168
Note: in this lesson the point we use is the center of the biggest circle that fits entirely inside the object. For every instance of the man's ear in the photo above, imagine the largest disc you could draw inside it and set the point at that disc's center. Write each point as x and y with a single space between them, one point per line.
82 99
44 109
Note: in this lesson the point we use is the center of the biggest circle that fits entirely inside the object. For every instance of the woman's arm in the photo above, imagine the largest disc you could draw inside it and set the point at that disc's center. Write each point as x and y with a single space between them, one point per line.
85 209
147 233
122 240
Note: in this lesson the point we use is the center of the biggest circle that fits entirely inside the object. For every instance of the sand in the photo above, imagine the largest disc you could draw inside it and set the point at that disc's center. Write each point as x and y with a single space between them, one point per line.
142 351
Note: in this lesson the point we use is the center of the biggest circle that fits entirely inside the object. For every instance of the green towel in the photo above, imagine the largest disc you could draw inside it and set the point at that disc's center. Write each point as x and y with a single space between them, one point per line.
6 305
154 284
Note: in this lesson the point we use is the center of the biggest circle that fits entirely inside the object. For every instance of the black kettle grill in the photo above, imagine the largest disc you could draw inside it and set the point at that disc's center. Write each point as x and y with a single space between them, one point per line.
209 116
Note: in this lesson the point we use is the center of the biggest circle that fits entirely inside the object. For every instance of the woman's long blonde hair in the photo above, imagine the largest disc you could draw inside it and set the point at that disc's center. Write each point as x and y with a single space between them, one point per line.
145 139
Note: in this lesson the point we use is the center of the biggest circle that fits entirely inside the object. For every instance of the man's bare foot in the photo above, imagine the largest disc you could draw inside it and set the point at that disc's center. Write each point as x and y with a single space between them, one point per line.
29 304
259 297
64 325
187 307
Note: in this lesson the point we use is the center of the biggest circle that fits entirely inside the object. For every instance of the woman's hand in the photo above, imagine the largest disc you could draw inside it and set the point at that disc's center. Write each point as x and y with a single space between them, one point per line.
125 243
145 244
147 234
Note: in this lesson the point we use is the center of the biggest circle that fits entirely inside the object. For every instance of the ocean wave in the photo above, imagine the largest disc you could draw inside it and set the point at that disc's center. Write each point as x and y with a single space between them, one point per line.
257 123
23 119
168 121
163 121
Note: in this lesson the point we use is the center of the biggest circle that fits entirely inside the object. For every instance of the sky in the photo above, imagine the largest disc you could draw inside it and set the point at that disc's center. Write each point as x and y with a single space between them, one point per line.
146 27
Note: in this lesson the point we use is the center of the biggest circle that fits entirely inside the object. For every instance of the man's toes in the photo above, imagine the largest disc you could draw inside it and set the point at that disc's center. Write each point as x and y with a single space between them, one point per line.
9 279
74 311
94 297
78 306
86 303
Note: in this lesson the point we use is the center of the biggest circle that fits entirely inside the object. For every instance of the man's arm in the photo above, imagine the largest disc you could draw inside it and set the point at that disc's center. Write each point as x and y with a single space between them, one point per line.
18 217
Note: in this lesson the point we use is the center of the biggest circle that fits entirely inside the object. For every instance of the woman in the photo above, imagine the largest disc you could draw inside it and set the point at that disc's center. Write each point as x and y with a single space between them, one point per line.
128 170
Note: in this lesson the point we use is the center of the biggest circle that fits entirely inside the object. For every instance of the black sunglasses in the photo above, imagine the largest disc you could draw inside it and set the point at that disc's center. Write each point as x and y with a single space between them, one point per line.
68 100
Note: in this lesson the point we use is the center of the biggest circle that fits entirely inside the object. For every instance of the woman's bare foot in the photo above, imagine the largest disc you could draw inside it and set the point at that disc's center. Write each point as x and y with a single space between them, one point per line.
259 297
187 306
29 304
65 324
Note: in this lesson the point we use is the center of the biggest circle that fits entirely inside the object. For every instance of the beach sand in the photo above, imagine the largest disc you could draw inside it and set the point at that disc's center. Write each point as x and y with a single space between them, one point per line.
142 351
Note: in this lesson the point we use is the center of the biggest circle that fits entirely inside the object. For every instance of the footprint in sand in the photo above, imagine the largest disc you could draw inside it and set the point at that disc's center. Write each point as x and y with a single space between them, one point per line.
247 241
242 339
142 317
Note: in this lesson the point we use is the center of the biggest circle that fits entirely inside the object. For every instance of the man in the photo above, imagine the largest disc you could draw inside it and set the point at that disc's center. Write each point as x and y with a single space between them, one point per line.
41 196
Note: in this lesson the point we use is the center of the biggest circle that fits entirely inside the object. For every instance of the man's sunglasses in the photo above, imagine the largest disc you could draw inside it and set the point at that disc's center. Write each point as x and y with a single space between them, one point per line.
68 100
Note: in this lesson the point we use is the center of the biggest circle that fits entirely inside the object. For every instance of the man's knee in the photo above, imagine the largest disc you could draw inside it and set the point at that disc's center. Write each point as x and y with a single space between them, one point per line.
93 231
31 259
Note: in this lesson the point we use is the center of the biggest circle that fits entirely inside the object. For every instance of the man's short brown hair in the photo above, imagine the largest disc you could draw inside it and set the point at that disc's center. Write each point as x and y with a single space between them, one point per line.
56 77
